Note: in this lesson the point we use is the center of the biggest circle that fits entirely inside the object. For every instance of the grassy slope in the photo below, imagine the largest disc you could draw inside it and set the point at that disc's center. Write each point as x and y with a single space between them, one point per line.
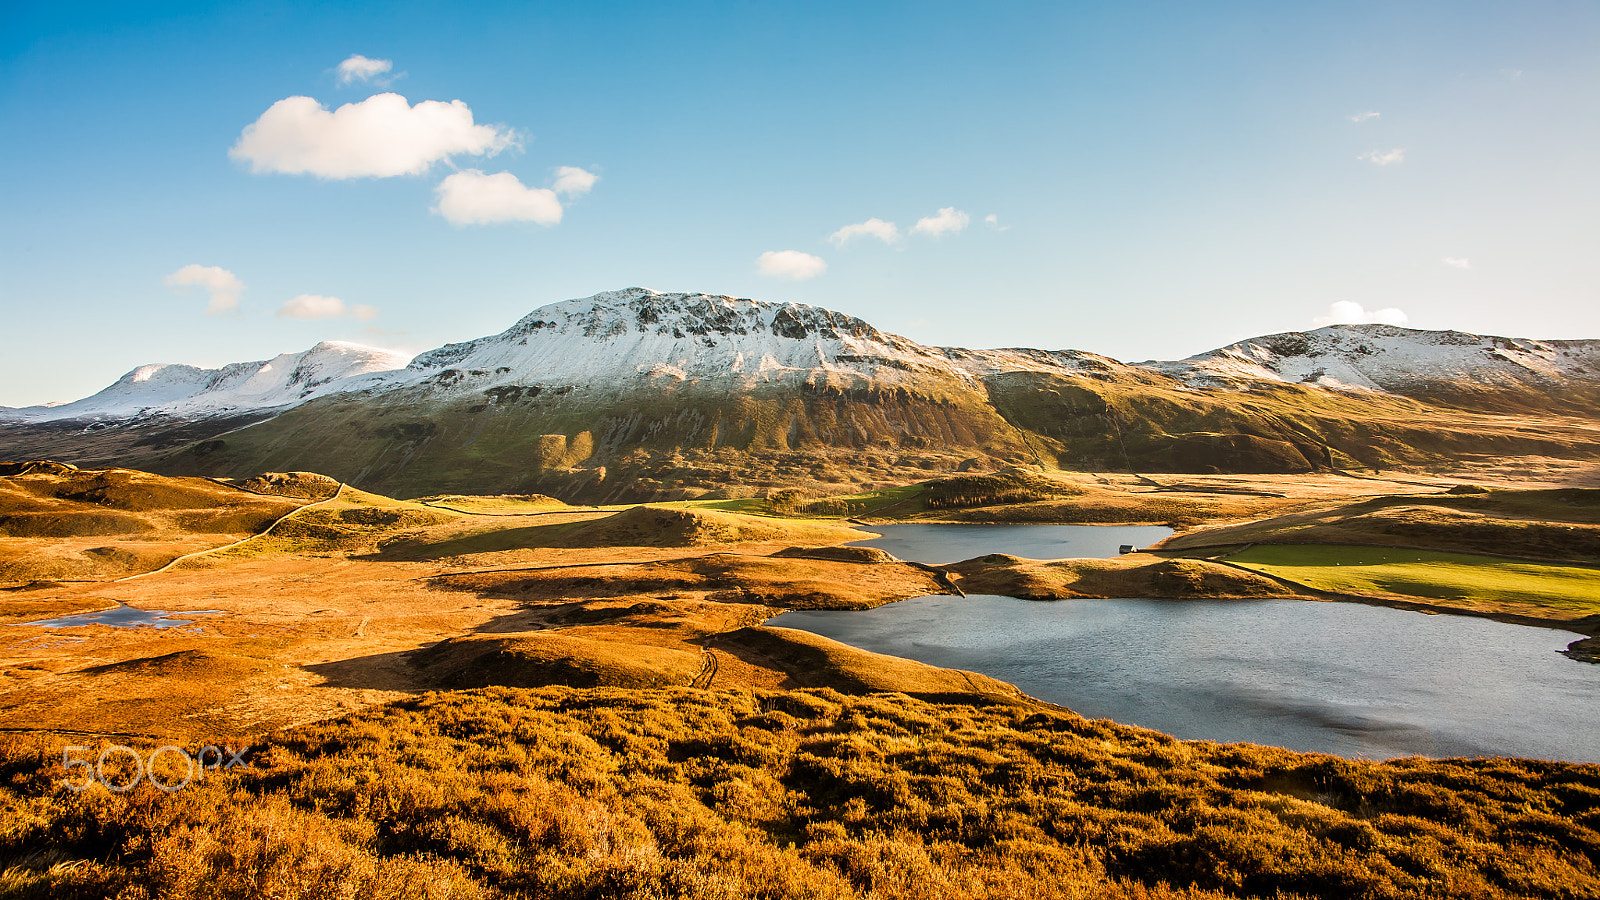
59 522
659 440
1129 419
638 526
1565 591
1136 575
355 520
599 446
1551 524
676 793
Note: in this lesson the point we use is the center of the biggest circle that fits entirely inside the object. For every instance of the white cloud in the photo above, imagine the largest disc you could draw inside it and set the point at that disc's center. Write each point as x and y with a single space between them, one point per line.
949 220
572 181
222 286
1459 262
1385 157
470 197
312 306
1349 312
1364 116
379 137
790 264
993 221
878 228
316 306
360 68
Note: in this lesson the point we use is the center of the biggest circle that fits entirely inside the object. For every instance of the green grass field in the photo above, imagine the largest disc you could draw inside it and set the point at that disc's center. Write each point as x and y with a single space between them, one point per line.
1433 575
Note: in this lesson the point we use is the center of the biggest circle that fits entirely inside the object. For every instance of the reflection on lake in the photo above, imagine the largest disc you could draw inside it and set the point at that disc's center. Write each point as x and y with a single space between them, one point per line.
1341 678
124 617
954 543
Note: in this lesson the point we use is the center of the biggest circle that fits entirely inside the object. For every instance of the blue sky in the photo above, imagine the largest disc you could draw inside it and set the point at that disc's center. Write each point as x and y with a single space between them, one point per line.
1164 177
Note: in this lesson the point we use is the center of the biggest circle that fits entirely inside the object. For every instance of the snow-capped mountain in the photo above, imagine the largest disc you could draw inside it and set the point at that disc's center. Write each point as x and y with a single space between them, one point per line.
181 391
1392 359
617 338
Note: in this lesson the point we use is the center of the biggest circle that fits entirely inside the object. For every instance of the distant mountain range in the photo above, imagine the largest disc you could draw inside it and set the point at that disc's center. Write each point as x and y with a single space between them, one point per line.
635 394
177 391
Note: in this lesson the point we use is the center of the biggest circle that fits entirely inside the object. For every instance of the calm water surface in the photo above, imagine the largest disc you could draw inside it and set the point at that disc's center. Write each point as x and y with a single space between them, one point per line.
1339 678
954 543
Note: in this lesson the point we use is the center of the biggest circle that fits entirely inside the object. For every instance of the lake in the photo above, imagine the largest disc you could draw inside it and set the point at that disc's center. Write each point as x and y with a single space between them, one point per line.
124 616
1344 678
937 544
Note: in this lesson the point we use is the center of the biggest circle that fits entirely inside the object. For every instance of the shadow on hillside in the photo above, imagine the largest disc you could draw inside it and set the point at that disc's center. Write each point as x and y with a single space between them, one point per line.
391 671
424 550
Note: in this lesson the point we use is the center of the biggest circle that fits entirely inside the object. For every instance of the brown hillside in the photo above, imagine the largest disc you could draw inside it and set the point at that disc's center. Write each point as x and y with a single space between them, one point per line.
1553 524
63 522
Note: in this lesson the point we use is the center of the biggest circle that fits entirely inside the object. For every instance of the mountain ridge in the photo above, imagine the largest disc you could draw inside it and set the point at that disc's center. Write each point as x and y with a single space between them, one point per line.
672 333
634 394
176 389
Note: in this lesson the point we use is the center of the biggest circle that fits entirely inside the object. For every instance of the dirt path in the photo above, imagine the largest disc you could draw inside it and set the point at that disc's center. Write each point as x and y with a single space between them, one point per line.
260 534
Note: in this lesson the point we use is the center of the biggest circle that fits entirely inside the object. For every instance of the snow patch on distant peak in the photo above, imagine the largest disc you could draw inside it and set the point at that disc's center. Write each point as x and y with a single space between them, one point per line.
1387 358
183 391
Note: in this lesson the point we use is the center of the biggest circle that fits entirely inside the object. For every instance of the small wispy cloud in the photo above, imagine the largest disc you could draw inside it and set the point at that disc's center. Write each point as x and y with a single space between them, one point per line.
470 197
1459 262
948 220
221 286
993 221
790 264
572 181
1349 312
1364 116
1385 157
317 306
360 68
874 227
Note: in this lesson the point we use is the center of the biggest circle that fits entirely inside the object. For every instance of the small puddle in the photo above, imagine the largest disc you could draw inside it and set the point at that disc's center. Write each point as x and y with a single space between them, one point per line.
124 616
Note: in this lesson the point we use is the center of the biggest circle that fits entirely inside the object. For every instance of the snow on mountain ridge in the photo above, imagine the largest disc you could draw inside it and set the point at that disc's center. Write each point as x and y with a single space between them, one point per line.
619 335
637 332
1388 358
175 389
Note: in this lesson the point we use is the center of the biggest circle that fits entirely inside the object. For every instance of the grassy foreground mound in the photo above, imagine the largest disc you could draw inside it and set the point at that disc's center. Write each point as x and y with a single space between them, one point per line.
677 793
1139 575
354 521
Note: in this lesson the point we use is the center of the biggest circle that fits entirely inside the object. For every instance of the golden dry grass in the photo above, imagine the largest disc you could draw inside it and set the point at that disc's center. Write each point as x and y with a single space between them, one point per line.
1135 575
59 522
558 793
638 526
1562 524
